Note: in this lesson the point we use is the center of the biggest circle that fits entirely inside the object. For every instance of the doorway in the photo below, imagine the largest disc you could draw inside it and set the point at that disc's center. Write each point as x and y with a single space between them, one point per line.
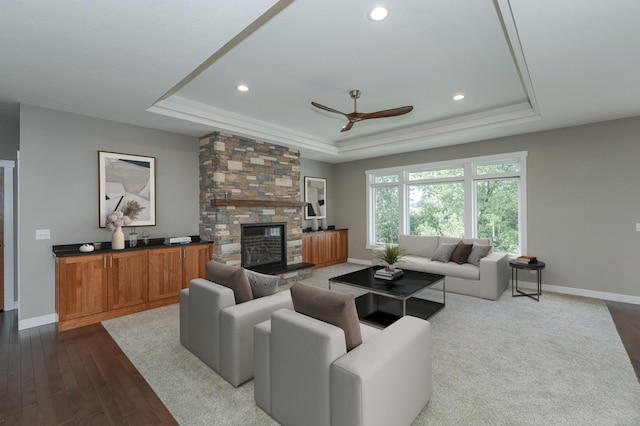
7 260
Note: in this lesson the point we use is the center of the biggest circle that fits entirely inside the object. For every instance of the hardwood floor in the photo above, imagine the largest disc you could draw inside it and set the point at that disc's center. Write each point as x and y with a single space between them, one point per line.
82 377
75 377
626 317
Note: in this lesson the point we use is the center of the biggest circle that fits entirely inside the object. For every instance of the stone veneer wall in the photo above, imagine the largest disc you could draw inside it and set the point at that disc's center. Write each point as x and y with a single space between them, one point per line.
238 168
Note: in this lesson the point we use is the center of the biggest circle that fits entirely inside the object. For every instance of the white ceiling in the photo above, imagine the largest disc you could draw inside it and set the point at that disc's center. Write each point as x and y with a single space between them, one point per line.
523 66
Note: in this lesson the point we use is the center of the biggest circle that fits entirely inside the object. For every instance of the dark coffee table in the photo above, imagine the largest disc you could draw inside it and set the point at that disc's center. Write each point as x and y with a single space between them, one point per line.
387 301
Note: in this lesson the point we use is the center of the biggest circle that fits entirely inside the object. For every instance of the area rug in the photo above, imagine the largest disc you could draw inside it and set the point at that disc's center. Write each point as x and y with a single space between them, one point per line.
508 362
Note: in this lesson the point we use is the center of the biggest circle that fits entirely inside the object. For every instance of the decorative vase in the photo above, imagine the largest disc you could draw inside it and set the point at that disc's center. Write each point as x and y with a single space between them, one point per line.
325 224
314 224
391 267
117 239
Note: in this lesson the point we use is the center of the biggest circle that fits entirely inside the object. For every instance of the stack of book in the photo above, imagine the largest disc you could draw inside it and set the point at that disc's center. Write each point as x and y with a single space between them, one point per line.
526 259
384 274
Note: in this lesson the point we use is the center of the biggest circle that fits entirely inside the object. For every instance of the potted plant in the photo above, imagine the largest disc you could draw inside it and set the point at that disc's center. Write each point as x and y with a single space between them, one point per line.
390 254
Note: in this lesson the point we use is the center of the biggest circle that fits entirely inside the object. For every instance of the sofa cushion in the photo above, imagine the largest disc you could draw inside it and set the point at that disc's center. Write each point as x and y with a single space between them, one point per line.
329 306
461 253
413 263
233 277
452 269
419 245
262 284
444 252
478 252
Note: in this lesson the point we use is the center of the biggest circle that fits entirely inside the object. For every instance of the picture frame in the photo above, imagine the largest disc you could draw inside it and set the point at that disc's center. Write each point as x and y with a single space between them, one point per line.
315 195
123 179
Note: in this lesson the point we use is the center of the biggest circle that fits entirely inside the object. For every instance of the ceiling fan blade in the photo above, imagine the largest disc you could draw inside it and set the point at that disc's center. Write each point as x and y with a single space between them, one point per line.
326 108
347 127
386 113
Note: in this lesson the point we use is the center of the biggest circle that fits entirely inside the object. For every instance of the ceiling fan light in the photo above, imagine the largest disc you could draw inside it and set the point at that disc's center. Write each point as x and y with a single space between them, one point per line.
458 97
242 88
378 13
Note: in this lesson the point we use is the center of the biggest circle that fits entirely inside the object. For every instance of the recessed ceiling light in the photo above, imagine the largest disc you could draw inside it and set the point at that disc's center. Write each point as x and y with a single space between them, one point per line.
242 88
378 13
458 97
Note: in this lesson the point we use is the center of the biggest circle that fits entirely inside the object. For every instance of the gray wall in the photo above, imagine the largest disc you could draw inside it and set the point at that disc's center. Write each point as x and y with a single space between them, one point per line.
58 185
322 170
9 140
583 201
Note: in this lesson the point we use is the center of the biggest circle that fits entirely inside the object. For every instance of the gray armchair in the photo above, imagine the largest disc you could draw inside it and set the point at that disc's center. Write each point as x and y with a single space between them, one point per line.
304 375
219 331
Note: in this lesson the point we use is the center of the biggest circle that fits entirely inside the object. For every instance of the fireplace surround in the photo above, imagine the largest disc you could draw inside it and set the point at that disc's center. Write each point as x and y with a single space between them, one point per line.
245 182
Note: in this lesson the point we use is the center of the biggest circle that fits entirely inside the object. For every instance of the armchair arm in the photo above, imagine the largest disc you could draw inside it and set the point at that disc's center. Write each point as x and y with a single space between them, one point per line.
494 275
236 334
395 362
205 301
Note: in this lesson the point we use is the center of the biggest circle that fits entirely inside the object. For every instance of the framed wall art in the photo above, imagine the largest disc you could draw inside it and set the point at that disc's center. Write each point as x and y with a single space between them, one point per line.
127 183
315 195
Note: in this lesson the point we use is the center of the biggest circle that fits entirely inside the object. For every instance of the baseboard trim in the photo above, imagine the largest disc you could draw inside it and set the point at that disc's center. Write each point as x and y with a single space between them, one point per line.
37 321
593 294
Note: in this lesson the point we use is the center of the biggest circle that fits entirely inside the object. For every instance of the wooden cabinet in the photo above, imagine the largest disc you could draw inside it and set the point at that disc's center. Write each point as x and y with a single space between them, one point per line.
325 248
171 269
82 286
127 274
95 287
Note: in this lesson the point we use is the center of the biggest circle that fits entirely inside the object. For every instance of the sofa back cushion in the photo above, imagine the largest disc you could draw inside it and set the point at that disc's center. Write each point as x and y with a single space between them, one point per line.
329 306
454 240
418 245
230 276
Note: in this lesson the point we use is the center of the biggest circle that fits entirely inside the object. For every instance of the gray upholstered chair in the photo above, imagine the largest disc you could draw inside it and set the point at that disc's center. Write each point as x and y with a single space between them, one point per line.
219 331
304 374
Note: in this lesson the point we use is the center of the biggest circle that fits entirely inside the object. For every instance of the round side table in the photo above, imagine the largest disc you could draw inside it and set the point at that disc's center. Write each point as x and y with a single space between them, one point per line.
538 267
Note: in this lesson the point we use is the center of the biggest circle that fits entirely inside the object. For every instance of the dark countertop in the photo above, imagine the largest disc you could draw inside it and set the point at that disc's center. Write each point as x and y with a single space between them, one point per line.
309 231
66 250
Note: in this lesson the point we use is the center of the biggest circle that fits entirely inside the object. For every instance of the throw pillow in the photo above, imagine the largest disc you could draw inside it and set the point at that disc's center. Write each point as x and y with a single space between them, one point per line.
444 252
230 276
478 252
461 253
329 306
262 284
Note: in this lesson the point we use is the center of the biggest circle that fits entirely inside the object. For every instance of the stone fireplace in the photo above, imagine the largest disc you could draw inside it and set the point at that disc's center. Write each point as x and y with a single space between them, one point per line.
244 182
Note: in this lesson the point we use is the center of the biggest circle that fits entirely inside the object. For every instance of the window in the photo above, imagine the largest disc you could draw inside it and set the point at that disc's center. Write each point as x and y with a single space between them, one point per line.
477 198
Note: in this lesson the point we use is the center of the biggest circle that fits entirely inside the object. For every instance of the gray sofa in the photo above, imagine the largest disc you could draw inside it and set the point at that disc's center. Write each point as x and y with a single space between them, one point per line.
305 376
219 331
488 280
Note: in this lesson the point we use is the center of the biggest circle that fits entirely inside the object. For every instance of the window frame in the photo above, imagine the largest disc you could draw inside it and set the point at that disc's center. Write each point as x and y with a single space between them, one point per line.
469 177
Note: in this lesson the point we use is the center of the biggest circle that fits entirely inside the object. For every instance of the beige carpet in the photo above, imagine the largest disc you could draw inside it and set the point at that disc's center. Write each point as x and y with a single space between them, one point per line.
508 362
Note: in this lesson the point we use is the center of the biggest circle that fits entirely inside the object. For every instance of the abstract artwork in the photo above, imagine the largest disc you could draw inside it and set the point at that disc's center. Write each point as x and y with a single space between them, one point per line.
127 182
315 194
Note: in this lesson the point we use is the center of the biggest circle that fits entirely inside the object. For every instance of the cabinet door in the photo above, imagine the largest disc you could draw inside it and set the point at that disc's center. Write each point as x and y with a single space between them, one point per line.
306 248
165 272
194 260
128 278
342 245
82 286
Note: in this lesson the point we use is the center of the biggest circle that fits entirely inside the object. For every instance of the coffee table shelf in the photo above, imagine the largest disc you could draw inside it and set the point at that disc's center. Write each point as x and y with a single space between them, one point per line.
387 301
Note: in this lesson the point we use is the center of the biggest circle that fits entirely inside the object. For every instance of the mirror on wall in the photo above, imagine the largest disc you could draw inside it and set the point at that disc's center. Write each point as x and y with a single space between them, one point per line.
315 195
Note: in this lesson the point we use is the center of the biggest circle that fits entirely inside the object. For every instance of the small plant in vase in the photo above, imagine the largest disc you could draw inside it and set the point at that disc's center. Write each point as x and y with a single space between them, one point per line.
390 254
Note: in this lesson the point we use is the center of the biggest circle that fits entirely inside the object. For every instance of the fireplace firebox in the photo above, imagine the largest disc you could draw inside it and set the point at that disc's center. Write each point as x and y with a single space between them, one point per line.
264 247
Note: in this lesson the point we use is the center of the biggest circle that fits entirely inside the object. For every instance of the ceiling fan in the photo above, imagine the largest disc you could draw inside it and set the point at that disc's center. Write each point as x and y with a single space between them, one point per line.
356 116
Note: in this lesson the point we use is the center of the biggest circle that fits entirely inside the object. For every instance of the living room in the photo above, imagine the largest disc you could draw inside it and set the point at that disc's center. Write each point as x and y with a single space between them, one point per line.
581 209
